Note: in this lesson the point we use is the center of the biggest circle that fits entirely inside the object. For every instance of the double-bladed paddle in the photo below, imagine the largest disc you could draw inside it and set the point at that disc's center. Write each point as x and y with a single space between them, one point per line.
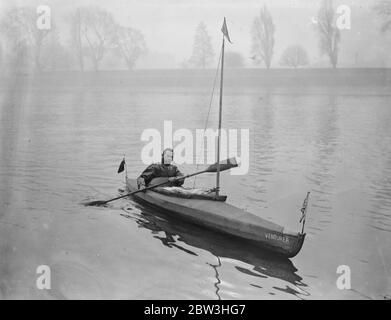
224 165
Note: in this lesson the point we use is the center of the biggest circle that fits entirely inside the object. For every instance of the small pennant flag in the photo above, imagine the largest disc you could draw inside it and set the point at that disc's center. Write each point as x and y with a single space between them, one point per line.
224 30
121 166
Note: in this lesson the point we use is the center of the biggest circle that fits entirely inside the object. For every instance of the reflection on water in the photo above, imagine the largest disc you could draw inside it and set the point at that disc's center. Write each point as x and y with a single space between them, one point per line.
218 281
322 175
184 236
381 199
263 149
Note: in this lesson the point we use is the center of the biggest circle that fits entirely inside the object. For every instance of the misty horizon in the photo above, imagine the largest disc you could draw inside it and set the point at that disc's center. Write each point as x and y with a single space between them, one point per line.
169 29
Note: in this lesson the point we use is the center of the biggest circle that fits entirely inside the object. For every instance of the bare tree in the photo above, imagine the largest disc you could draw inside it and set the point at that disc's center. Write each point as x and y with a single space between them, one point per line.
294 56
19 25
53 52
202 48
329 34
98 31
263 38
383 9
130 44
92 33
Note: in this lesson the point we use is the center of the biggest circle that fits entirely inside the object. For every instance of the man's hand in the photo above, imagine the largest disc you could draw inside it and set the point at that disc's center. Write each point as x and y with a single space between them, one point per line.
140 183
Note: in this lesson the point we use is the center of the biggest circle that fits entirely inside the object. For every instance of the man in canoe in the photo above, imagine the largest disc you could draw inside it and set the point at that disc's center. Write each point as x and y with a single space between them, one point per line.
157 172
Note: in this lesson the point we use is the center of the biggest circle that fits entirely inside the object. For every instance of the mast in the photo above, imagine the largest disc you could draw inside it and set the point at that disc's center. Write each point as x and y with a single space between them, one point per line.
220 114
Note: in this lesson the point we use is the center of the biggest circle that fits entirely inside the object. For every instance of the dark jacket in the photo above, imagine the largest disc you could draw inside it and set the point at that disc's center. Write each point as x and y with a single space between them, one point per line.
158 170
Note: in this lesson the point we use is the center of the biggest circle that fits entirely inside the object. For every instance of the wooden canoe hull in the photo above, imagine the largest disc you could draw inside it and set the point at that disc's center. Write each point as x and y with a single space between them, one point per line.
224 218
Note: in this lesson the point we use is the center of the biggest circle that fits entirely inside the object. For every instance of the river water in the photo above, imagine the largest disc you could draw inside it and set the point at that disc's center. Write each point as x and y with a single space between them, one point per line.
62 145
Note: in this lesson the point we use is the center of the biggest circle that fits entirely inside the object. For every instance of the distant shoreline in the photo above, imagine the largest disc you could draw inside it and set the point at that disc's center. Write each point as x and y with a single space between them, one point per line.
203 78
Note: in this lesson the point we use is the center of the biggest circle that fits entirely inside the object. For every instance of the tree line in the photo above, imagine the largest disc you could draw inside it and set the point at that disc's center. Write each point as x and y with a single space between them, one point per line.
263 39
95 35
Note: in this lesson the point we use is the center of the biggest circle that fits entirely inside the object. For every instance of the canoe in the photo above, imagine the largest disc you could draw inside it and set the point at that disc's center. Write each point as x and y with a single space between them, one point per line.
224 218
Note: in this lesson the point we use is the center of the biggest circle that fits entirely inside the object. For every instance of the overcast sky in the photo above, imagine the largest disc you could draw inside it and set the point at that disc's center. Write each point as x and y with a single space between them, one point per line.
169 26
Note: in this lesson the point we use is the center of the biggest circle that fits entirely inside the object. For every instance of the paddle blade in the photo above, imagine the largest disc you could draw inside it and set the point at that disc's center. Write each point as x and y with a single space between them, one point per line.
224 165
95 203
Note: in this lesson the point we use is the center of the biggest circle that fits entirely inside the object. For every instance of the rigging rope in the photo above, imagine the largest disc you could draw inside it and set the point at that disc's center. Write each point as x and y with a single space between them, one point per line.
207 117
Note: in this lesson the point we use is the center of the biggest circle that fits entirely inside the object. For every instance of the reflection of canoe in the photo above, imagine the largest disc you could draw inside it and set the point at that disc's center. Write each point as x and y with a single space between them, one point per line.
180 235
225 218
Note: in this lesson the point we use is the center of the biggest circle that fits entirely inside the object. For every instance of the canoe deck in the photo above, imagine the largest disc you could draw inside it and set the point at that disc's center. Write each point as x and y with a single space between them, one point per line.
225 218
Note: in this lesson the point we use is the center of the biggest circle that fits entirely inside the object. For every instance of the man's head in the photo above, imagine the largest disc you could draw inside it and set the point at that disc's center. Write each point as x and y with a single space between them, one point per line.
167 156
